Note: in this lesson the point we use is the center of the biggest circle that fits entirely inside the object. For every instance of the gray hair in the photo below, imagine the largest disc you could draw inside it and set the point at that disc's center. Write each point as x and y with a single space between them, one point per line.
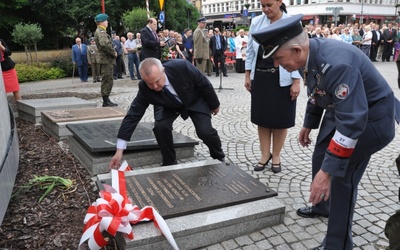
146 66
301 40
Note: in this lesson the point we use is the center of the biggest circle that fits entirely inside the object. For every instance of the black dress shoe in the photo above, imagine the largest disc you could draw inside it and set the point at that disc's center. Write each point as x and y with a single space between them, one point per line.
261 166
276 168
307 212
321 247
216 75
226 75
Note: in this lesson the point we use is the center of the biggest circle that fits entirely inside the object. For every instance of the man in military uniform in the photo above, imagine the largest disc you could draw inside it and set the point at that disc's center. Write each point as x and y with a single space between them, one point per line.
201 45
106 58
360 114
92 54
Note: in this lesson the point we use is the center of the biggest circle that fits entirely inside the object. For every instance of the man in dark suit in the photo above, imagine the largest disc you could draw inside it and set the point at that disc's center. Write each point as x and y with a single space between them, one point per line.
376 41
389 36
360 116
174 87
187 40
117 45
151 45
217 47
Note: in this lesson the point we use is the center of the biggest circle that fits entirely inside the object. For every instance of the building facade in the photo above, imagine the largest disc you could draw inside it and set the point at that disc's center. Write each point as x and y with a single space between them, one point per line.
233 13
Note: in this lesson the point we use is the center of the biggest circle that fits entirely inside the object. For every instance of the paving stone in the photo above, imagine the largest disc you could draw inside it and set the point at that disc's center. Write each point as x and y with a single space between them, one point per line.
377 195
229 244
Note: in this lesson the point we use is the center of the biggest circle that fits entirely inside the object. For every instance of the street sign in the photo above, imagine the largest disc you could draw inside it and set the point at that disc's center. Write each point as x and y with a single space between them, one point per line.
162 17
245 12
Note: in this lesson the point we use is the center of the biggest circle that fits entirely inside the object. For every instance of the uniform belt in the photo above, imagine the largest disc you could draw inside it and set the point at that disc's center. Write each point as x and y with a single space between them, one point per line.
271 70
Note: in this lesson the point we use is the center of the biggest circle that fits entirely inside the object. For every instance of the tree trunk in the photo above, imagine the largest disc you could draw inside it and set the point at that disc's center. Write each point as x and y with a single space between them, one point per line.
26 53
37 59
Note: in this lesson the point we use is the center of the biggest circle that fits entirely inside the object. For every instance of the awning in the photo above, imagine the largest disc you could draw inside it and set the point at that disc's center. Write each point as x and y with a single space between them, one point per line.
308 17
372 17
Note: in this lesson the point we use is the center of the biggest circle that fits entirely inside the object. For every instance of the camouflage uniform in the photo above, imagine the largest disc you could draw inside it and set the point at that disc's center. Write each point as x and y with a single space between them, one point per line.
92 55
106 59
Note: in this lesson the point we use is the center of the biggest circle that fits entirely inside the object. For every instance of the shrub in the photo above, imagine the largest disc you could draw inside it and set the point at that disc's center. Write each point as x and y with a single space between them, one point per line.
64 62
30 73
55 73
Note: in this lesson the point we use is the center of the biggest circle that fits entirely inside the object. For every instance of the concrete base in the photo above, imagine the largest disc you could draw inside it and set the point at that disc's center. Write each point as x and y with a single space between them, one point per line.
97 163
30 109
206 228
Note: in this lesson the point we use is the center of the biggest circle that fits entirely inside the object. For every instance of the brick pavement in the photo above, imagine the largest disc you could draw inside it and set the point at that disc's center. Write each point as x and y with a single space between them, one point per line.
377 197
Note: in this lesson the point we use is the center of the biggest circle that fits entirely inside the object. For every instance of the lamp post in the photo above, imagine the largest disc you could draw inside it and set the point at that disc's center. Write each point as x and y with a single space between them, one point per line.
362 10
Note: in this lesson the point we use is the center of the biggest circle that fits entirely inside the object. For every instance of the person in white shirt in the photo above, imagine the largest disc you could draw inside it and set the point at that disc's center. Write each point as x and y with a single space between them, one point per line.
366 41
131 48
240 47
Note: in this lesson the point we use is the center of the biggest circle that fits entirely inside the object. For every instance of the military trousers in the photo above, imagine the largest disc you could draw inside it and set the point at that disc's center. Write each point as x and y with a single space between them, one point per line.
107 80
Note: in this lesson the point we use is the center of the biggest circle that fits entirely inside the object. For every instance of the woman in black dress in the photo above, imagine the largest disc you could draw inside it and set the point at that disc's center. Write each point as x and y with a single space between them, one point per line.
273 91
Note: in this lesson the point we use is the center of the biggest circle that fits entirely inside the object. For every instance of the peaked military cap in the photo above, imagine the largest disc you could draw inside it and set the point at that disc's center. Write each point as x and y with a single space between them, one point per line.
201 20
278 33
101 18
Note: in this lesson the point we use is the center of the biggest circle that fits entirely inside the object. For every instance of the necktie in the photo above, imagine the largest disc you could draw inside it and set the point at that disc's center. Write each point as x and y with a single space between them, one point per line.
171 96
155 35
218 42
184 113
305 76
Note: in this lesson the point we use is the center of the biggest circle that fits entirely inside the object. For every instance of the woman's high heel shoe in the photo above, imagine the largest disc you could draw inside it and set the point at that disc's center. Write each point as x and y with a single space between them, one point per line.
261 166
276 168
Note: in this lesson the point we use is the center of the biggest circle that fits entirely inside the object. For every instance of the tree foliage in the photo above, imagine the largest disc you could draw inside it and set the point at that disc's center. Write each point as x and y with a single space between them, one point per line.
28 35
63 20
133 21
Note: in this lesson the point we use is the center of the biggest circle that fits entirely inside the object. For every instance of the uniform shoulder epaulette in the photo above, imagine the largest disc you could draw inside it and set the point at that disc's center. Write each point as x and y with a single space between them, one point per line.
323 65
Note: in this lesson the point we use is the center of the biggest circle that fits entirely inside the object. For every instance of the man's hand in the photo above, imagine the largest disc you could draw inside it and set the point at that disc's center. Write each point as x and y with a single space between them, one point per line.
320 188
295 89
304 137
115 162
162 43
215 111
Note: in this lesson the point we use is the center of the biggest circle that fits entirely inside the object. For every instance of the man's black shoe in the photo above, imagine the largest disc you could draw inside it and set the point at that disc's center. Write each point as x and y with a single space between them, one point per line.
226 75
307 212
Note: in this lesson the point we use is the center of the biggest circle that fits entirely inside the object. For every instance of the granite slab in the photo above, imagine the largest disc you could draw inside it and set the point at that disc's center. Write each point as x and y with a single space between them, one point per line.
30 109
55 122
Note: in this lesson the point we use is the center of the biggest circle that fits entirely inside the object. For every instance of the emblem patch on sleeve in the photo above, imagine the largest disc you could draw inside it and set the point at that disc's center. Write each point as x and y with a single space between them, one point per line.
342 91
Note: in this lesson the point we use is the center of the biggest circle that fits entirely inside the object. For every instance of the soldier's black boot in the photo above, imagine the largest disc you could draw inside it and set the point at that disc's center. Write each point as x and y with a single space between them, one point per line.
107 102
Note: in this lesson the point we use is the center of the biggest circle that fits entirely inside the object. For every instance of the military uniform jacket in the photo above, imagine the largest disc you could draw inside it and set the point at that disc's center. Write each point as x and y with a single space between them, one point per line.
92 53
193 88
360 105
201 44
105 46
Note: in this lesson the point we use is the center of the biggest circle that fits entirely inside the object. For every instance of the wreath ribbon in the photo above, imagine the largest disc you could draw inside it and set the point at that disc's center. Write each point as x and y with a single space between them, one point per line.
113 212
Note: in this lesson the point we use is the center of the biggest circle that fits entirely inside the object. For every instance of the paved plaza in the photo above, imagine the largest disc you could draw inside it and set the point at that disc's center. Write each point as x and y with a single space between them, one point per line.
378 190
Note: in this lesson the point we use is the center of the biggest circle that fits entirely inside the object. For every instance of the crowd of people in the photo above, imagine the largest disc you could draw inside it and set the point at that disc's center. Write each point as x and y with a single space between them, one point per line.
378 42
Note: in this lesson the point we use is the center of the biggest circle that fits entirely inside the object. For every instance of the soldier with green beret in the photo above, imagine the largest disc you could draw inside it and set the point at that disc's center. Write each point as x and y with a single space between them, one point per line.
106 58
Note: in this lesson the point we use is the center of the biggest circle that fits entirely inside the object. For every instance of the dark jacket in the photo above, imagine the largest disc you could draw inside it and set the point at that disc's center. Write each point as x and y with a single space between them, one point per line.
213 44
7 63
192 87
150 45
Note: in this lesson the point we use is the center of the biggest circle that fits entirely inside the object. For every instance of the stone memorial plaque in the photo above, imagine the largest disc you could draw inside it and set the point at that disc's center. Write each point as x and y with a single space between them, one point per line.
102 136
186 191
69 115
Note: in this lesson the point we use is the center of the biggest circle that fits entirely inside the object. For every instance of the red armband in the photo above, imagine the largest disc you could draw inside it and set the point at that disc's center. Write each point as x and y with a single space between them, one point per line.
341 145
